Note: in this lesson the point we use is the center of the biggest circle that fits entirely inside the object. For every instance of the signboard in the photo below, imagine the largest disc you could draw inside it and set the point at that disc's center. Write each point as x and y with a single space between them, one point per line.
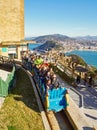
4 49
11 50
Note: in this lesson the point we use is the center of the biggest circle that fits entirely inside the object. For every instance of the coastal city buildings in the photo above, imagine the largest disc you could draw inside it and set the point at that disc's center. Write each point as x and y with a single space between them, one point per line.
73 44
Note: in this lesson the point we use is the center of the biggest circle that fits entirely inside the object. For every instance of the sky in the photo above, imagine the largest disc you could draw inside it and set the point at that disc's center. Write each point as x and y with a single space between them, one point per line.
67 17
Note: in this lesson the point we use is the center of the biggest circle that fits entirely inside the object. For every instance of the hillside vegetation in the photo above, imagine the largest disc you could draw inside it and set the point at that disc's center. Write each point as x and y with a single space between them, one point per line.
48 45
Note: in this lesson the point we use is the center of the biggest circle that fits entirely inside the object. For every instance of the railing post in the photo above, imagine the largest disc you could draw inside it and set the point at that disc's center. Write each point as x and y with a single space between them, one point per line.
0 87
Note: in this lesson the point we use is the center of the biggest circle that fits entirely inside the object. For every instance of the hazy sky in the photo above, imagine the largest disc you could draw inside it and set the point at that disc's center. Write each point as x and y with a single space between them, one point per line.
68 17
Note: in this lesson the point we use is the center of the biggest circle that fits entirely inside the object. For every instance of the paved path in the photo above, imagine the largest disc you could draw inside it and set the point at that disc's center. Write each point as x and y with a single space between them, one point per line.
90 103
89 100
89 95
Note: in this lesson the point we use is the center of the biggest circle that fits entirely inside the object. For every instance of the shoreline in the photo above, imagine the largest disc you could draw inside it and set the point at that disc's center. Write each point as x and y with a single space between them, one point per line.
87 50
67 51
88 59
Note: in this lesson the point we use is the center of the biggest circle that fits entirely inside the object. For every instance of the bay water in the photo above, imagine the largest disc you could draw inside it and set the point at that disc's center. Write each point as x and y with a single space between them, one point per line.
34 45
90 57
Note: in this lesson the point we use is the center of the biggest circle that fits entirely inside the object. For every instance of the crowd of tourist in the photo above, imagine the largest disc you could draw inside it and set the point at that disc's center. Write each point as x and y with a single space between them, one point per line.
43 68
86 79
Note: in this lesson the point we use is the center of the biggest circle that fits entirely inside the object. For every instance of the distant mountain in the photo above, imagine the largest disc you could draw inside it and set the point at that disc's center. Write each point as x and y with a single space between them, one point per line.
88 37
53 37
60 38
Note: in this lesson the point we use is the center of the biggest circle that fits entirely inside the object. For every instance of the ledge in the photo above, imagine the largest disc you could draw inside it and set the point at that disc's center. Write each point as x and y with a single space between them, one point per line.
76 117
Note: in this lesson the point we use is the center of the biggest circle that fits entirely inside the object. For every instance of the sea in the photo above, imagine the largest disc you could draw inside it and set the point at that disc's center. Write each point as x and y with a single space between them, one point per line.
33 46
90 57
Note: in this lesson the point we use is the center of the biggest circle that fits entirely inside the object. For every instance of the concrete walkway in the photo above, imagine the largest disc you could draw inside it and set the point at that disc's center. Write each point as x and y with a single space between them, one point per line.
89 102
89 96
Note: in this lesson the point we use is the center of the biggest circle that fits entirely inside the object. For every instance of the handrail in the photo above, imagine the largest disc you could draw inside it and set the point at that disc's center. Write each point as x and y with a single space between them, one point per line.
82 104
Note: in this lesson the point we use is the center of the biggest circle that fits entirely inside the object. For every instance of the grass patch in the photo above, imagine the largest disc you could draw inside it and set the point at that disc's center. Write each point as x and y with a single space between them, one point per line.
20 110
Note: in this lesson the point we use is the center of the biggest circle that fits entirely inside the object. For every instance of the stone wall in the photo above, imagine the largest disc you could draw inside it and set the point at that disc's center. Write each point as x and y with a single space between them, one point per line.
11 20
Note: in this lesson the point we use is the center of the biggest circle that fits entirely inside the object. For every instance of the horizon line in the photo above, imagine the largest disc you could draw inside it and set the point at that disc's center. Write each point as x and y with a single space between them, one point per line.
60 34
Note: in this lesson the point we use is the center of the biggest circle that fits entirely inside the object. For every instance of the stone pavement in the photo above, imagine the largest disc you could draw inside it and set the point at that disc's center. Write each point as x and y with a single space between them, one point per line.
89 102
89 96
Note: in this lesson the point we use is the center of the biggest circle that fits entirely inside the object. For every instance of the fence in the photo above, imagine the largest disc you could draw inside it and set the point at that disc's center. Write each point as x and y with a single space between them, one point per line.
5 85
